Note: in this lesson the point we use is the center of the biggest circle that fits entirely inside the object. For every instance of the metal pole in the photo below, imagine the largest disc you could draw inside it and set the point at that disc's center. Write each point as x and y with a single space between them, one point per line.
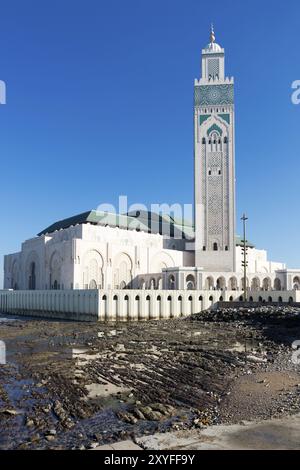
244 218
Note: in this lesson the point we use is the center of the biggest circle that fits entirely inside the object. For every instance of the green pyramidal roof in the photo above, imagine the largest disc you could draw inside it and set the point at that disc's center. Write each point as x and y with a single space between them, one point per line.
97 218
148 222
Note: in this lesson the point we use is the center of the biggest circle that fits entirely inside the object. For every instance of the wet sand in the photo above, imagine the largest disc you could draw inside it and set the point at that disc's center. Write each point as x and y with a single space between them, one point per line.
69 385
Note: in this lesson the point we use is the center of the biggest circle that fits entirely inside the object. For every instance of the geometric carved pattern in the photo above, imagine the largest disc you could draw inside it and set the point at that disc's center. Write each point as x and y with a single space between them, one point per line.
206 95
214 203
213 67
214 158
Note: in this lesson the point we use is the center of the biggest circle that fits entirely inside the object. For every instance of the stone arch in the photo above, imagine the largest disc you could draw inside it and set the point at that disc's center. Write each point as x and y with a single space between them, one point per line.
277 284
158 305
221 283
160 261
126 306
190 282
267 285
122 270
115 306
32 271
15 275
209 283
148 306
169 306
93 268
233 283
137 306
180 305
171 282
296 283
55 266
152 283
93 284
255 284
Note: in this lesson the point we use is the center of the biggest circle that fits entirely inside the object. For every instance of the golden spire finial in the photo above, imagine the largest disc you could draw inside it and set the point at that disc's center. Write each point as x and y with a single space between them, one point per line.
212 34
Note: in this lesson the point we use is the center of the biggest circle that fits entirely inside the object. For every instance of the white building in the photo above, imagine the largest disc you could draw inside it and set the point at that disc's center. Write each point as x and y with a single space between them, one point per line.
142 250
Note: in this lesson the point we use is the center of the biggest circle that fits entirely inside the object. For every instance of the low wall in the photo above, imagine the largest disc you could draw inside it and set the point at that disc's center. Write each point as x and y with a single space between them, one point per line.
81 305
126 305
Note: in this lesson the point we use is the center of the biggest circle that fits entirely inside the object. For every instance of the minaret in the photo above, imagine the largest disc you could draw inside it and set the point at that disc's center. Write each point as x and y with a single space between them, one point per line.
214 148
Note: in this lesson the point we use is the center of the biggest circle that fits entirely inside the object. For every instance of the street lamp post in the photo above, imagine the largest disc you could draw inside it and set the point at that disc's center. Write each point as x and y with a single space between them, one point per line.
244 262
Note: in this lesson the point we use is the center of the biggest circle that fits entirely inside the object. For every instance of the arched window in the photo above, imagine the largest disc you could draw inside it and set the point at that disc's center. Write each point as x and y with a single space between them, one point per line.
171 282
215 246
203 140
225 140
32 277
190 282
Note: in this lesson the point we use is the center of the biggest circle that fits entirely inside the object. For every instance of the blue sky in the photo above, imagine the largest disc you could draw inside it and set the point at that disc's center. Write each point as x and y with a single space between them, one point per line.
100 103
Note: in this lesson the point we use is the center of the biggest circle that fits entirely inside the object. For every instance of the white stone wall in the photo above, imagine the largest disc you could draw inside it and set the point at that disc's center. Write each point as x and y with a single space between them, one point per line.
122 305
257 261
89 256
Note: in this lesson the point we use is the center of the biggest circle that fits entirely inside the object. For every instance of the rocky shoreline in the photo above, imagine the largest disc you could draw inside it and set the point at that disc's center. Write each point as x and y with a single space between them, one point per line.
69 385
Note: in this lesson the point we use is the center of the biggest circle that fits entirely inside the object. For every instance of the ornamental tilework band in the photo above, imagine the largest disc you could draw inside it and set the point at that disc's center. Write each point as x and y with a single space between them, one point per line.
211 95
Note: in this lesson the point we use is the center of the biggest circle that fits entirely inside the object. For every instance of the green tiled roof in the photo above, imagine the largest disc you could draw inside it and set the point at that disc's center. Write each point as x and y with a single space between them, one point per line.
144 221
97 218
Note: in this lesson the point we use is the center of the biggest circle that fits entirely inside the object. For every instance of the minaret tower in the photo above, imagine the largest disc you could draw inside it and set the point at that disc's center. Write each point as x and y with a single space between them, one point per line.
214 149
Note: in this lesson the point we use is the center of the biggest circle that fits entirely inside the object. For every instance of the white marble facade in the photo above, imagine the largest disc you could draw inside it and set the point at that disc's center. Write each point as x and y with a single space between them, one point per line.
84 253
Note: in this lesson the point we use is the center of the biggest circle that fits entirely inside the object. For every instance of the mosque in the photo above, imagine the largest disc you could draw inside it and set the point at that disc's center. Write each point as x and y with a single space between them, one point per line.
145 250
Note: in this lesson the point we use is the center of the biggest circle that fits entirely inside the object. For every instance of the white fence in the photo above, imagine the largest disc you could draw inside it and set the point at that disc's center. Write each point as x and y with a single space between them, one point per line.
125 305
